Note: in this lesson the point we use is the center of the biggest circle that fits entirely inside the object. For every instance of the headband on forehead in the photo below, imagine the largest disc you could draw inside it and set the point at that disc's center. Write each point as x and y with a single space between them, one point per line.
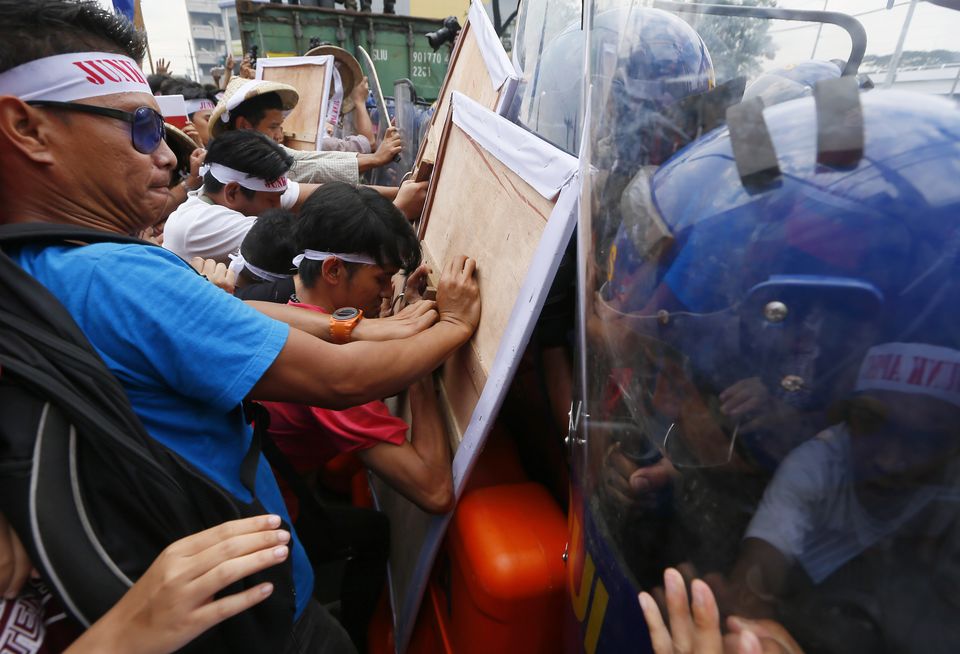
238 263
74 76
317 255
916 368
201 104
225 175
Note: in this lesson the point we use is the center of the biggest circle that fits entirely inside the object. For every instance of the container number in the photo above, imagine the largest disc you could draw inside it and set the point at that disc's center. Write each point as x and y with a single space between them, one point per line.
427 57
380 54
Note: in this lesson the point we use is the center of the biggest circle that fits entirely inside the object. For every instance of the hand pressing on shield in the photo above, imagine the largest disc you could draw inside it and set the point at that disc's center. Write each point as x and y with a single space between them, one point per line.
458 294
695 625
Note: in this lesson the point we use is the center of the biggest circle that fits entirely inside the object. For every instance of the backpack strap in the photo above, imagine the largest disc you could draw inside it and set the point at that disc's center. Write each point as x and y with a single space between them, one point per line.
22 233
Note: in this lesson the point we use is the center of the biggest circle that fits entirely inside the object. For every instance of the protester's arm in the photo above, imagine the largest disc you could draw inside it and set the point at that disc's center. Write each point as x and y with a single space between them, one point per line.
15 565
310 371
361 118
227 71
323 167
175 599
412 320
419 469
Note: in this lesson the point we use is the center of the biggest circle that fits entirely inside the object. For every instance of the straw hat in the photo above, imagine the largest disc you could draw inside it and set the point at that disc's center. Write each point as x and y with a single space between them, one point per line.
182 146
248 88
350 72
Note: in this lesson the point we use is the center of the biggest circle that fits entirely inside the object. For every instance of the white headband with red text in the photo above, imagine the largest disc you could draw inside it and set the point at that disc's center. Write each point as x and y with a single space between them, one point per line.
74 76
917 368
193 106
225 175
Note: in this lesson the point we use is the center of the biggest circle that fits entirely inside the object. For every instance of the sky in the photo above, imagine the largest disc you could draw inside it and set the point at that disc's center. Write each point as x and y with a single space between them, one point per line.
167 32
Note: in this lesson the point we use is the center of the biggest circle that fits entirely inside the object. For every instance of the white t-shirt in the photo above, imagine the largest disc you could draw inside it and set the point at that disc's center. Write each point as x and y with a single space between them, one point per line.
200 228
811 513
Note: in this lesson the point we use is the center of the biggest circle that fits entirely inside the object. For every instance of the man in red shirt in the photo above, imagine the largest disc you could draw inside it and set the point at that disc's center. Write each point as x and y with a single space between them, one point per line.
352 241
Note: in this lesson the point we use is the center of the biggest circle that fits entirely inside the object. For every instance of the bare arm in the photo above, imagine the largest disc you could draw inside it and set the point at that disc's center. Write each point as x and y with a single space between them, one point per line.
419 469
412 320
310 371
361 118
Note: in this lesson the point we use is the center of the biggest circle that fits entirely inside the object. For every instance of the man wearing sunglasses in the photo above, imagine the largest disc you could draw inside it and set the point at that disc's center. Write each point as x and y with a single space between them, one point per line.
185 353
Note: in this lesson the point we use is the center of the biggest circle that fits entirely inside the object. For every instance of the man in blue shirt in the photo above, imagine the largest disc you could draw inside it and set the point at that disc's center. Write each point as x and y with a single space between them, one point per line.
76 148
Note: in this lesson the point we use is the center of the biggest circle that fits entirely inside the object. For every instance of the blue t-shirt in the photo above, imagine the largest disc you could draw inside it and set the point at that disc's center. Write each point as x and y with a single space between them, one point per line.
186 353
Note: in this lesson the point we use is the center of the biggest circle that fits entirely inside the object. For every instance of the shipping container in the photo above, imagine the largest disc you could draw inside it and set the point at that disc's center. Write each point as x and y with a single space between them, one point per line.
397 44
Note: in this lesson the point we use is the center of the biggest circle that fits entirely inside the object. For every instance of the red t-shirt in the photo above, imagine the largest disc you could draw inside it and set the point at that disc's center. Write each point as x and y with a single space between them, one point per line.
310 436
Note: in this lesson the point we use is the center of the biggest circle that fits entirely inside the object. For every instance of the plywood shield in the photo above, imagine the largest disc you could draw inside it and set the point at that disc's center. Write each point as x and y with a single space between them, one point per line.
514 214
312 77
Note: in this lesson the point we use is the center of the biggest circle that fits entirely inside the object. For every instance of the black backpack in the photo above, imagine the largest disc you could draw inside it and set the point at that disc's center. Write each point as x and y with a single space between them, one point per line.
94 498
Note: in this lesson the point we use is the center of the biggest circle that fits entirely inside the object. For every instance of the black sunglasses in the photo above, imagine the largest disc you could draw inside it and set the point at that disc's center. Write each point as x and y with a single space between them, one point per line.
147 127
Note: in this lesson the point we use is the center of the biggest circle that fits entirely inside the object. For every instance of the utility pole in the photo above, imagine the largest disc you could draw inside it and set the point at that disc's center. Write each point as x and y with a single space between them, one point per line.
193 61
895 59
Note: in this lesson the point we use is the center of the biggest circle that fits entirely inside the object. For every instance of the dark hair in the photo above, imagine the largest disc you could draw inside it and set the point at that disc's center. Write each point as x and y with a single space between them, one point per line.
43 28
156 82
255 109
210 91
269 243
343 218
249 152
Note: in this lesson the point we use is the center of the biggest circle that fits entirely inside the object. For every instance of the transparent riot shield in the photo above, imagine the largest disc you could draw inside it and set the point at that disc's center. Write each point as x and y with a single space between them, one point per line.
769 283
548 54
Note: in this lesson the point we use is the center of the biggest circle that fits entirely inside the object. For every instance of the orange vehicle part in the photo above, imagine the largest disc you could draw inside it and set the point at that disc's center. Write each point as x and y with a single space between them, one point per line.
506 571
499 581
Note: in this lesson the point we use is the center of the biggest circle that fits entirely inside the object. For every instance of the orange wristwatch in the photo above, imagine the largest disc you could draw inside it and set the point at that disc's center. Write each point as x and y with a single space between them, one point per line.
342 322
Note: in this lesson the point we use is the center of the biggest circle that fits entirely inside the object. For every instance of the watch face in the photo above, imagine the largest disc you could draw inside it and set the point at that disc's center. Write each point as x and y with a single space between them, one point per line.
346 313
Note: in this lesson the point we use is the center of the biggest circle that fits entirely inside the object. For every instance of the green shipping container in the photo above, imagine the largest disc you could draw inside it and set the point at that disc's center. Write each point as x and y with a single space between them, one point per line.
397 44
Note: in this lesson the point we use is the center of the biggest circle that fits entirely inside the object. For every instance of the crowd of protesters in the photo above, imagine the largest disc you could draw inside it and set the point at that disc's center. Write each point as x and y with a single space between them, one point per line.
83 145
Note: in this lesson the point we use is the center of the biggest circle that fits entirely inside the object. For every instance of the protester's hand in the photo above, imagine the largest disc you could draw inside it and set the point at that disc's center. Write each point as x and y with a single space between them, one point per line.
216 273
15 565
458 294
190 130
408 322
630 484
698 630
229 63
416 284
361 91
175 599
743 397
247 70
197 158
162 66
389 147
410 199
